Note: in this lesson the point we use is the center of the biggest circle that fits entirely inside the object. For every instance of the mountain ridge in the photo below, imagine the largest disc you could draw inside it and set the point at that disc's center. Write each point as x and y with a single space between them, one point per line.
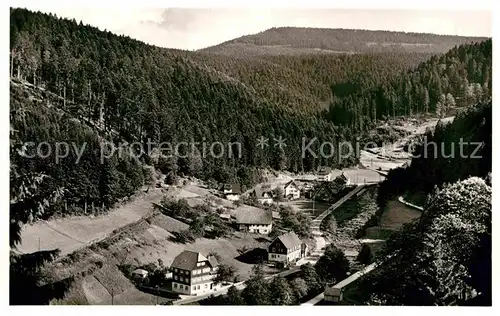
282 40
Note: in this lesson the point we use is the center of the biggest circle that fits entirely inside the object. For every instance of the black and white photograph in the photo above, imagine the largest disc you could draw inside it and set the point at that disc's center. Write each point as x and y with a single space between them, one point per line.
210 155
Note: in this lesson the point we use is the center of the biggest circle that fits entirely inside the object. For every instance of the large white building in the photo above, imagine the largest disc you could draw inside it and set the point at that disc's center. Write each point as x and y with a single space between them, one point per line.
286 249
193 273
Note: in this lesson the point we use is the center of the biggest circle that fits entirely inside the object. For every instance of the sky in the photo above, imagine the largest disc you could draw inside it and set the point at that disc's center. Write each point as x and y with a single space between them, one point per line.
191 28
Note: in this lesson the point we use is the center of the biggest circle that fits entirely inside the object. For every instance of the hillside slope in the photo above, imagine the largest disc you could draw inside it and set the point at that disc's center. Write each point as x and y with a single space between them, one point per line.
295 40
222 106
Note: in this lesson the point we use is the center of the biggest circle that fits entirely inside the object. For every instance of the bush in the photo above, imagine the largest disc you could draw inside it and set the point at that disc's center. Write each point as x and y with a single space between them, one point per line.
184 236
365 255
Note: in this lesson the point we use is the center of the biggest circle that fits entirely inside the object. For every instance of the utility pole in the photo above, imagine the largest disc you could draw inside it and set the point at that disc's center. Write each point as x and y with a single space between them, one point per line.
112 296
38 243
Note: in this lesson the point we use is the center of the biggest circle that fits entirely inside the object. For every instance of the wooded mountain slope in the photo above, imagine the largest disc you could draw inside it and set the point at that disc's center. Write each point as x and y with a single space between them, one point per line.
296 40
138 92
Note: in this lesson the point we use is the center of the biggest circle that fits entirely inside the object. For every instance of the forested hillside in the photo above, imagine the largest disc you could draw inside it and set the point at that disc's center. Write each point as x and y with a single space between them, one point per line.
458 78
450 153
305 83
444 258
130 91
296 40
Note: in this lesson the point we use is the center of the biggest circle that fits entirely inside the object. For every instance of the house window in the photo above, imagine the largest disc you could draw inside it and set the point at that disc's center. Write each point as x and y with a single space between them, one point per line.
175 285
175 277
206 285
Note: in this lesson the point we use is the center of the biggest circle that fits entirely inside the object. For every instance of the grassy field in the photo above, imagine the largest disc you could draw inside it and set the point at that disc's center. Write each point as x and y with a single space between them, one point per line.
306 206
396 215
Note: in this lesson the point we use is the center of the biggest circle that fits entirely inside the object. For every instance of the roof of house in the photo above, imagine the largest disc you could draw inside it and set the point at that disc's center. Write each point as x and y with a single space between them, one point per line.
324 170
289 240
140 271
254 216
291 182
187 260
235 188
213 261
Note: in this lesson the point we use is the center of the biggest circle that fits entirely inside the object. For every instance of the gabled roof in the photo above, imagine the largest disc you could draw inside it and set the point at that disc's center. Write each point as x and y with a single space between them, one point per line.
187 260
254 216
291 182
235 188
344 176
212 261
140 272
289 240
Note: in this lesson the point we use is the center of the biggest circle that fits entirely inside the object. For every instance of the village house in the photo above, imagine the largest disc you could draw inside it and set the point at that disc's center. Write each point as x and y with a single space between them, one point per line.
264 194
324 174
345 178
139 274
254 220
231 192
292 190
286 249
193 273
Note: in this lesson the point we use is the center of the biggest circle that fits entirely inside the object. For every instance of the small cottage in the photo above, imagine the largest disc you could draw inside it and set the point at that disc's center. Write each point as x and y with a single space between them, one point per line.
292 190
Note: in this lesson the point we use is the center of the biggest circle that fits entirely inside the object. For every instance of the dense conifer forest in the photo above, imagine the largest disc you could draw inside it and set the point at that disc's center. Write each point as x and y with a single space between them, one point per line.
297 40
130 91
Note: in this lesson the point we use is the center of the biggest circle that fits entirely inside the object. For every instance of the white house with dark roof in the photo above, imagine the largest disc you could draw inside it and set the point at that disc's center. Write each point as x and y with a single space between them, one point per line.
254 220
264 194
286 249
292 190
324 173
231 192
193 273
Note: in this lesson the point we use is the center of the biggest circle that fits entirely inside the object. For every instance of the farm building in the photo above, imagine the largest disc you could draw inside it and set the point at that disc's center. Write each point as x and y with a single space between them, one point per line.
254 220
231 192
